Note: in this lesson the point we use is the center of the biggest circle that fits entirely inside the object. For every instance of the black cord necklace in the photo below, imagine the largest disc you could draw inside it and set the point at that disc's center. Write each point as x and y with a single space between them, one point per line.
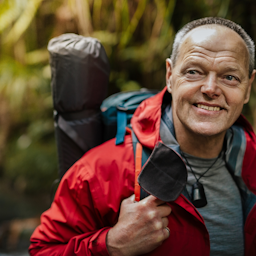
198 197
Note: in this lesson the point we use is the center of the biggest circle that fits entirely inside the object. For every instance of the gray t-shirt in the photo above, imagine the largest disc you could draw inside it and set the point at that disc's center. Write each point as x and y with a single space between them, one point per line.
223 214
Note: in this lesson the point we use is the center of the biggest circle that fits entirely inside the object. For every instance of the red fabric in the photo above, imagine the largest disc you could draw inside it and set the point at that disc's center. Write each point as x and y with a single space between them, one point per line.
138 163
250 155
87 201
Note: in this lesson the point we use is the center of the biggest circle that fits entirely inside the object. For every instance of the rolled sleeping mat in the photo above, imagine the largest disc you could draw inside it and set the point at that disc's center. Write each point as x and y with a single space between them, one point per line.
79 79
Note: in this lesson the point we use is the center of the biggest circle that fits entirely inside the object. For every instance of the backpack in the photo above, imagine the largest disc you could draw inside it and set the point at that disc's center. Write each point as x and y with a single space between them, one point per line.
79 81
117 111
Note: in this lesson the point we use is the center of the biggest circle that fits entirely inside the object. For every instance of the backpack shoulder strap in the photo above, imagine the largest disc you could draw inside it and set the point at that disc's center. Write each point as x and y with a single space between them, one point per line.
141 155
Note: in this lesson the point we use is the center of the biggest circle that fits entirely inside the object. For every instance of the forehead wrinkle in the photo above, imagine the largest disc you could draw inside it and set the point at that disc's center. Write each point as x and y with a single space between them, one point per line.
208 63
214 57
204 51
197 57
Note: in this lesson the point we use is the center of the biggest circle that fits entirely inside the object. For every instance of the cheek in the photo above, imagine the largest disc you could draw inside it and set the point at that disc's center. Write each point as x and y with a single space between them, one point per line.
180 105
235 103
235 98
183 94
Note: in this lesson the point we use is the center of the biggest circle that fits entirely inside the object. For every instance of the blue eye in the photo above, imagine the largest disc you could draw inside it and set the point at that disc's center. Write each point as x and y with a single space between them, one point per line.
192 72
230 78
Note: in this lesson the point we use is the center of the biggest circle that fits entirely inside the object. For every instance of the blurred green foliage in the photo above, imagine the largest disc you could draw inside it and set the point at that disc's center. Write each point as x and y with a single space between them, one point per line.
137 36
31 166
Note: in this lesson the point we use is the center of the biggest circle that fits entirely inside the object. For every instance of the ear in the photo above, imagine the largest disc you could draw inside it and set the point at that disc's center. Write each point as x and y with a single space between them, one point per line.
168 74
247 95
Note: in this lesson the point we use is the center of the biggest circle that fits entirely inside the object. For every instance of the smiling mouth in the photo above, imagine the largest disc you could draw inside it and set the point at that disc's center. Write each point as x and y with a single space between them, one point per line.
208 107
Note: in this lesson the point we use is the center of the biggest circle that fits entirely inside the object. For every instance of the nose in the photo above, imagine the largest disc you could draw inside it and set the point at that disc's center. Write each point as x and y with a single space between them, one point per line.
210 86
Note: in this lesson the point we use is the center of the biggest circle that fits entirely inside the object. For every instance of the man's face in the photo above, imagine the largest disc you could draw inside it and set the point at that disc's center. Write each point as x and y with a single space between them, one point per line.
209 82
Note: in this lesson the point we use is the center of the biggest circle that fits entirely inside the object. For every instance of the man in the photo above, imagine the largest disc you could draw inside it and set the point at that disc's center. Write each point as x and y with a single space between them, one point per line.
209 78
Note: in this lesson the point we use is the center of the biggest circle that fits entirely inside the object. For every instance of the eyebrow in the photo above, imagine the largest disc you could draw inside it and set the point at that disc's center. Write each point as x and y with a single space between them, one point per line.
193 63
232 69
199 63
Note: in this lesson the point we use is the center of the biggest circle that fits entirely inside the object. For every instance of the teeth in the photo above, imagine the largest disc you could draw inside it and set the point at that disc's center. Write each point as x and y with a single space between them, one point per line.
208 108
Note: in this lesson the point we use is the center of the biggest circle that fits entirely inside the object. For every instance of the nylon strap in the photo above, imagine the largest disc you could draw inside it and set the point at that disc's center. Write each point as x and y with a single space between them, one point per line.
138 160
71 133
141 155
121 126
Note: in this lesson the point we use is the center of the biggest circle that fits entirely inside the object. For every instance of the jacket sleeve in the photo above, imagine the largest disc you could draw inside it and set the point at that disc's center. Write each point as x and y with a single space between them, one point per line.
72 226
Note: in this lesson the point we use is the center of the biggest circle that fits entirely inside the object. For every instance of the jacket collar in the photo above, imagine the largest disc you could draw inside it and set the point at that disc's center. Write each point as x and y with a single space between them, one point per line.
146 120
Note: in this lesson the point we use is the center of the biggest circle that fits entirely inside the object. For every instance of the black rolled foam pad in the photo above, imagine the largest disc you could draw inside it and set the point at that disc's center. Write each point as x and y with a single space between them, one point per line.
80 72
164 175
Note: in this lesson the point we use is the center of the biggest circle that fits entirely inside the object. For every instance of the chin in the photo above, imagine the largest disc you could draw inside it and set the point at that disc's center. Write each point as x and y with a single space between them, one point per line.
207 131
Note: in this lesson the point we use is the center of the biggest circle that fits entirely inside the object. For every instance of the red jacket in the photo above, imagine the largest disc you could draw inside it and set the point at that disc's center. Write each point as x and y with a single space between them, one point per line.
87 202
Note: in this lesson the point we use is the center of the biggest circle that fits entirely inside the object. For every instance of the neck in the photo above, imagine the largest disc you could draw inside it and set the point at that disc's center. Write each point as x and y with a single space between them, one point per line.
200 146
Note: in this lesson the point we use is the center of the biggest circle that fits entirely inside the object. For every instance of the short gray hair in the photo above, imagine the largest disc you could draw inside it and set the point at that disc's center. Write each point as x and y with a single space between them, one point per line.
214 21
